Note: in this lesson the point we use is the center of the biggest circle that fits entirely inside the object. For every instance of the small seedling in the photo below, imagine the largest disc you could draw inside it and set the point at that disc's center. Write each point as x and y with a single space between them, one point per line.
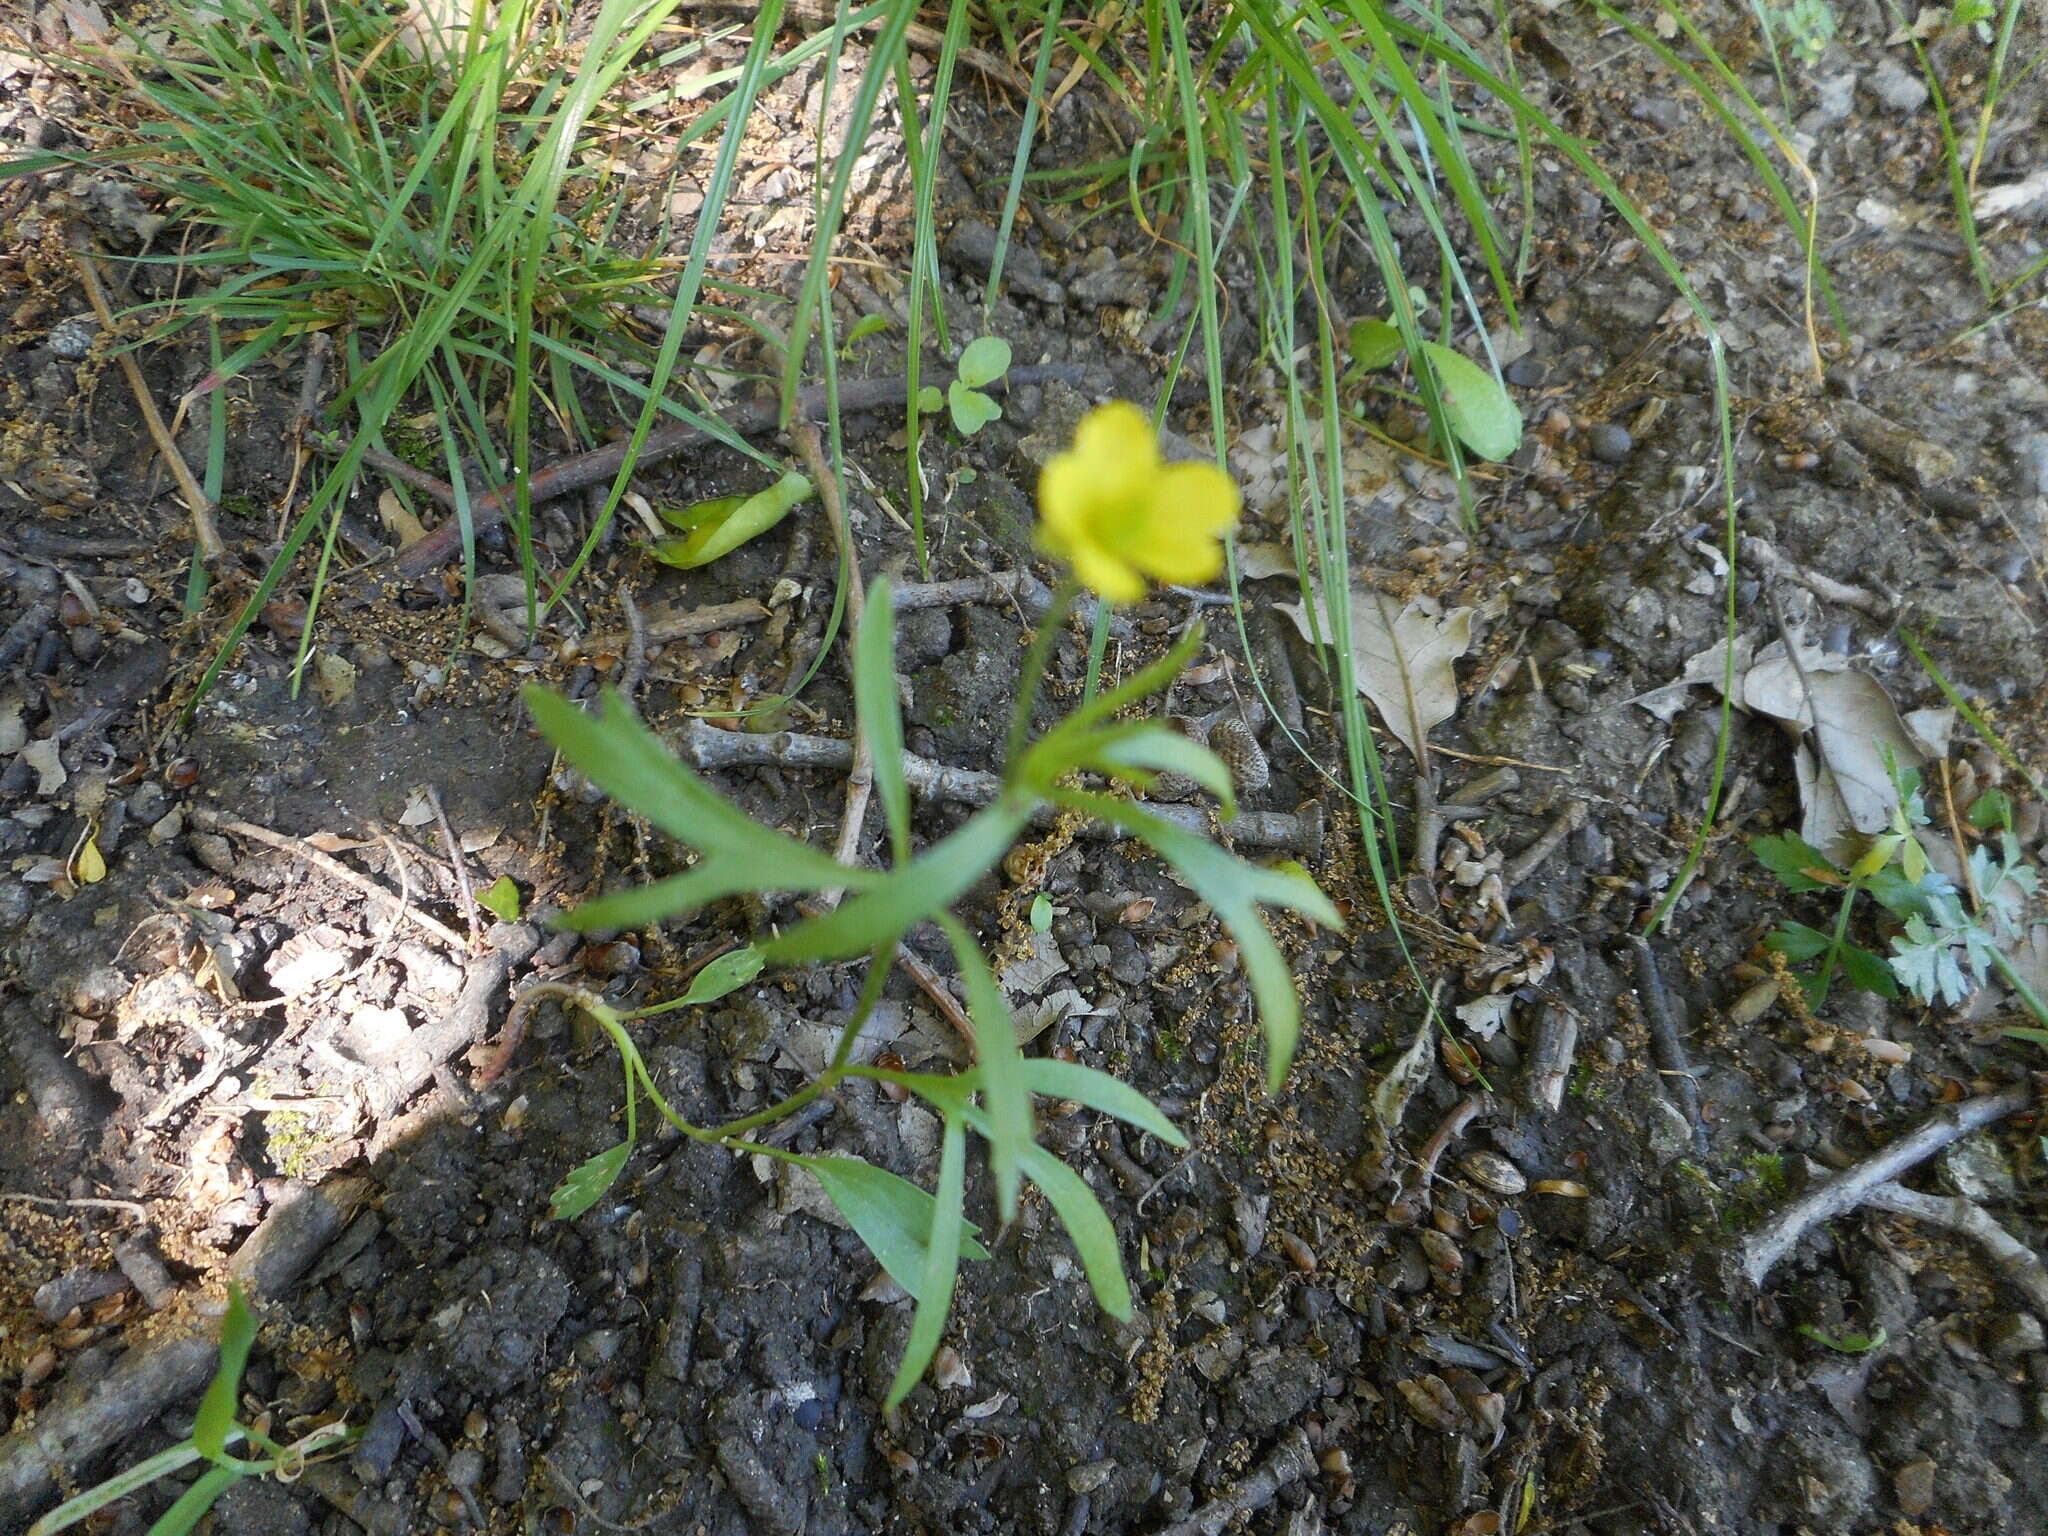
501 899
214 1429
863 328
985 359
1476 406
1844 1343
709 529
1950 942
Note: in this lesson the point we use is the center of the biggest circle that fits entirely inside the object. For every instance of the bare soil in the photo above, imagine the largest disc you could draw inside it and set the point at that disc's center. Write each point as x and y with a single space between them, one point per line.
223 1037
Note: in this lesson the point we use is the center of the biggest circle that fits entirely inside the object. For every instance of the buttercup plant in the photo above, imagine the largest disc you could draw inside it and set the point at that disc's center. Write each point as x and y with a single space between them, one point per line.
1118 515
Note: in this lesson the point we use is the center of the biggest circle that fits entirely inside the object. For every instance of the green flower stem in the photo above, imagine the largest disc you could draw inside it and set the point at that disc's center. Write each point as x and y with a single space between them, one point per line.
732 1134
1034 666
2010 975
870 994
1838 938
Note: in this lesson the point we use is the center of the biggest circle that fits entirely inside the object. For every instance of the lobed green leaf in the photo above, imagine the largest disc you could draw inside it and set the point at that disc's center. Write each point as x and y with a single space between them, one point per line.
586 1185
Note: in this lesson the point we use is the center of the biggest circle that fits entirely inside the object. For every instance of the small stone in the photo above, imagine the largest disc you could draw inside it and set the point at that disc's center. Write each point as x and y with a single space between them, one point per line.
1897 86
72 337
1659 112
1090 1476
2013 1335
1611 444
2030 458
1914 1485
1527 372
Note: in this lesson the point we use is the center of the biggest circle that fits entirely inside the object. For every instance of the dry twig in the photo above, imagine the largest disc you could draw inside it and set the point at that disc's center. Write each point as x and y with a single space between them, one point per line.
599 465
204 532
214 821
1852 1187
706 748
860 778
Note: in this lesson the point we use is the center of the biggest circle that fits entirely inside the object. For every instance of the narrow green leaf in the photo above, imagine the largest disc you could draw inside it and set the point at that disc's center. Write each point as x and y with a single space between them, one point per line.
983 360
586 1186
673 896
195 1501
891 1215
1004 1090
1089 1226
881 717
908 894
73 1511
941 1266
722 534
1098 1090
1060 749
949 1093
217 1408
1234 890
1478 408
1156 748
628 762
501 899
725 974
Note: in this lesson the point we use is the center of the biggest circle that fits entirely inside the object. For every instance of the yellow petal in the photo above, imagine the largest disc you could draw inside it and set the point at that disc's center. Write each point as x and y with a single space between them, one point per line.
1106 576
1183 563
1203 497
1117 434
1063 496
91 865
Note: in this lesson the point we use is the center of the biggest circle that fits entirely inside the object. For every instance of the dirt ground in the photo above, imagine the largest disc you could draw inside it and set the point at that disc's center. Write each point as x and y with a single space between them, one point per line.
261 1033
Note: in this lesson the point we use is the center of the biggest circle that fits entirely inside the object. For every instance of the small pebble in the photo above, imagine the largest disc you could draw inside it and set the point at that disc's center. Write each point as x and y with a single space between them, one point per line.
1527 372
1611 444
72 337
1896 86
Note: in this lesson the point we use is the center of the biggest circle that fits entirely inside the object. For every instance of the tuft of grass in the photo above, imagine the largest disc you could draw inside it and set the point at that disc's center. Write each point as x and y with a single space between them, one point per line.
442 207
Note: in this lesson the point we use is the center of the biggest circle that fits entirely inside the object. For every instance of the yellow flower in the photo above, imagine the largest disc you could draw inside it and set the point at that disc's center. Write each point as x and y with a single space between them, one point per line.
1112 509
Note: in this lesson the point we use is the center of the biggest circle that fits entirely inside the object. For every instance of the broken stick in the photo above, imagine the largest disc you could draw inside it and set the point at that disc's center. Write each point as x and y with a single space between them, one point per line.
1853 1186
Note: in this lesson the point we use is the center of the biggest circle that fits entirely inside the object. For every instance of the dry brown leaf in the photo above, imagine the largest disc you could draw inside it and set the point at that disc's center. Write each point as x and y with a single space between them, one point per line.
1403 661
398 521
1846 725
